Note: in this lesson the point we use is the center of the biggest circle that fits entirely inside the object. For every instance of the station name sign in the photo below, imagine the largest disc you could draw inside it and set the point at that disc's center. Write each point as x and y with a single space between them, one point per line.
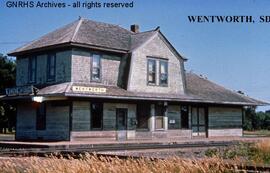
89 89
21 90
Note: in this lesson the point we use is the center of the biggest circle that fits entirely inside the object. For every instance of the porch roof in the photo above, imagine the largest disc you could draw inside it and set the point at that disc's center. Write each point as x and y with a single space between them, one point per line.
208 91
198 90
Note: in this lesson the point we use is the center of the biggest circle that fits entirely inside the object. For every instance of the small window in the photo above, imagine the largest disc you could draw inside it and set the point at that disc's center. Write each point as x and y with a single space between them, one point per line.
32 64
96 115
151 71
163 75
41 117
51 67
96 68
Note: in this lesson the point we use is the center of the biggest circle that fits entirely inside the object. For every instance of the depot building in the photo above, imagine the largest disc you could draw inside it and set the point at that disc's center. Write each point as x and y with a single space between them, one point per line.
90 80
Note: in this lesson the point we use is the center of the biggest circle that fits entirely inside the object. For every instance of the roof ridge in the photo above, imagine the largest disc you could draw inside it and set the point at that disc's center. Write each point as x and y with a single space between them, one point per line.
109 24
136 33
76 29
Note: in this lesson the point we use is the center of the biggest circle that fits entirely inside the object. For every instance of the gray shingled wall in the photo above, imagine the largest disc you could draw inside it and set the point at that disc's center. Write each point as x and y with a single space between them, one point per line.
42 69
57 122
21 71
26 121
63 66
63 69
110 69
81 67
138 71
225 121
81 114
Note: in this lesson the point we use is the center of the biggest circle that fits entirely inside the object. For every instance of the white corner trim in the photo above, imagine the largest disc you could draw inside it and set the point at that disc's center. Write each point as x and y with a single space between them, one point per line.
130 70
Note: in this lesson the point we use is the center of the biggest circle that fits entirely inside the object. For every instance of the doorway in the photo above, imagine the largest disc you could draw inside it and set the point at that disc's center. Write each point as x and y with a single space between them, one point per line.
121 123
199 121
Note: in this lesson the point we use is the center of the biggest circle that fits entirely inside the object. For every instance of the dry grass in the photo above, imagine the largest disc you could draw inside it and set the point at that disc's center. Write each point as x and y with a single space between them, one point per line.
264 146
94 164
260 152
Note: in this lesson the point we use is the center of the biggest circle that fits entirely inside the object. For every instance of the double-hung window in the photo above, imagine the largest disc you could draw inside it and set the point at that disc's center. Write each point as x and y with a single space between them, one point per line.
32 68
96 68
51 67
163 72
151 71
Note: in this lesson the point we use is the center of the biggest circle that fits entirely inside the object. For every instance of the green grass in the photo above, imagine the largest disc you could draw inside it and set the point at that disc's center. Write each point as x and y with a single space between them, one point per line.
259 133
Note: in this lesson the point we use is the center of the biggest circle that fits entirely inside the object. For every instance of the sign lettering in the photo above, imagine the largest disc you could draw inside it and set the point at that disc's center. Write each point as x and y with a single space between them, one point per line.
88 89
22 90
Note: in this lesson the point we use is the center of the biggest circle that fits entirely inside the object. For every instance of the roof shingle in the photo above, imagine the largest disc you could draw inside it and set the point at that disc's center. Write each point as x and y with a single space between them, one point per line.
88 32
199 90
59 36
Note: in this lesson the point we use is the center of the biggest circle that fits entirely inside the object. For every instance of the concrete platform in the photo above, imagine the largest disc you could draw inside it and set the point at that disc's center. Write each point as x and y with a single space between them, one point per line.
108 145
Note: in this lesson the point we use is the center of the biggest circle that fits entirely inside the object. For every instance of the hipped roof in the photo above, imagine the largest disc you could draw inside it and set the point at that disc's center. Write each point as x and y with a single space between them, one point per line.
88 33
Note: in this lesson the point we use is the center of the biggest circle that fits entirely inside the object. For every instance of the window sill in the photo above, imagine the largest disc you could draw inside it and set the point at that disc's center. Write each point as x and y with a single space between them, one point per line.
142 130
96 129
152 84
164 85
159 129
96 81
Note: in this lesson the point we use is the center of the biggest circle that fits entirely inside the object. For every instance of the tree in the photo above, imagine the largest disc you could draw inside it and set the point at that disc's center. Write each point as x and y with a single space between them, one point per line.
249 119
256 120
7 78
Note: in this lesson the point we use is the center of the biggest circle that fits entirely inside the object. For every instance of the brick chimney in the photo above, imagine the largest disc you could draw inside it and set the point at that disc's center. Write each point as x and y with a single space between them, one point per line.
135 28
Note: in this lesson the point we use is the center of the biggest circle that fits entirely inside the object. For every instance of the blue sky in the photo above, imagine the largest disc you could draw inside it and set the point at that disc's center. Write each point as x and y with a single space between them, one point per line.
234 55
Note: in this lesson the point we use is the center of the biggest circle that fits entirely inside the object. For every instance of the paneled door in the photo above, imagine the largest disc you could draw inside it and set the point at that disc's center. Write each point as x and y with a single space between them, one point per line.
121 123
199 121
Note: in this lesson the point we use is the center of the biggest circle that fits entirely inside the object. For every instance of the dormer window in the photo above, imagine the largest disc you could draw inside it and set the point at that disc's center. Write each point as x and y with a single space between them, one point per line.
32 65
96 68
51 67
151 71
163 72
157 66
